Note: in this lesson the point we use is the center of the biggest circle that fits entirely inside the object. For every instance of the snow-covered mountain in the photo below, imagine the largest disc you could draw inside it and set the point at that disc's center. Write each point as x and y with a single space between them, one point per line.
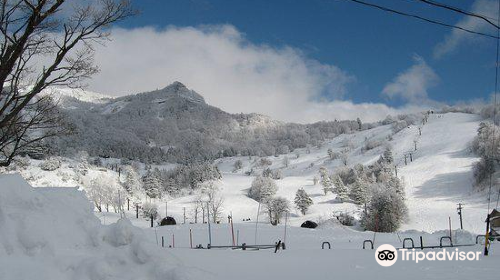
64 94
176 124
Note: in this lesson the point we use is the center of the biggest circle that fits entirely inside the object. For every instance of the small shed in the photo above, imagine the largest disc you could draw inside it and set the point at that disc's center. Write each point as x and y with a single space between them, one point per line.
168 221
309 224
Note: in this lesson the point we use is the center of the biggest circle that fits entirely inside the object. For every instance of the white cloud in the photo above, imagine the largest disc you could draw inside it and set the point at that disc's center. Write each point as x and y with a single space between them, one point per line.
230 72
453 40
412 84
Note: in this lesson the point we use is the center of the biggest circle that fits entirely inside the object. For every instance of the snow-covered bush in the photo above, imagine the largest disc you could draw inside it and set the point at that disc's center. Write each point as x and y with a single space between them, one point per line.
371 144
264 162
482 170
346 219
50 164
238 165
22 162
149 209
262 188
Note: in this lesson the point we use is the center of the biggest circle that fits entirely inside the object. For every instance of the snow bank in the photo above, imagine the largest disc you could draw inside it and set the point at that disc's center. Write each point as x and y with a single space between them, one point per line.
52 233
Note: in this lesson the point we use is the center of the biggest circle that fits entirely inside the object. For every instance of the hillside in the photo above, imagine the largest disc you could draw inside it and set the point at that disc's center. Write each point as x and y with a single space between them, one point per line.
439 177
175 124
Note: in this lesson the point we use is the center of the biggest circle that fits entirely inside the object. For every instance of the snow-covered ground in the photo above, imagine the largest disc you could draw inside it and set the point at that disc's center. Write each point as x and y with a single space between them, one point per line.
52 233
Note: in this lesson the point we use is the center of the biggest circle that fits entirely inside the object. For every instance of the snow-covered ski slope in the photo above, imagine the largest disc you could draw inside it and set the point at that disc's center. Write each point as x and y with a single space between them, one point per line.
437 178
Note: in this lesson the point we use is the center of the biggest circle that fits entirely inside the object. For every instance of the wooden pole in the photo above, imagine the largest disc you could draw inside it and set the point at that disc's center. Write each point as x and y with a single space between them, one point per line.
460 215
191 238
487 235
209 229
449 223
232 229
137 211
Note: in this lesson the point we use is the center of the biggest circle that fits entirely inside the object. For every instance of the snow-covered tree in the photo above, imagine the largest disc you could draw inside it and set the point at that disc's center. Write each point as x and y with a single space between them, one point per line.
276 207
339 188
103 191
386 211
277 174
149 209
331 154
388 158
302 200
152 184
262 188
286 161
359 192
133 182
215 200
344 156
267 173
325 180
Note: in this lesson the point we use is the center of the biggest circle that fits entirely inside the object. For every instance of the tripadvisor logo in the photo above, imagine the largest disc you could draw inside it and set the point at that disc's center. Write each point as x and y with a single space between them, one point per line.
387 255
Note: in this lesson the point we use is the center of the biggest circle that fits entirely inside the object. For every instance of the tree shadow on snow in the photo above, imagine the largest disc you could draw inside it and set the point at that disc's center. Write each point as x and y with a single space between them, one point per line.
450 186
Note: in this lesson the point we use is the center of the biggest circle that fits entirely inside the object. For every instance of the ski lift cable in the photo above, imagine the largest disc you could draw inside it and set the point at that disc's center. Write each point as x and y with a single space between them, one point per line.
428 20
487 19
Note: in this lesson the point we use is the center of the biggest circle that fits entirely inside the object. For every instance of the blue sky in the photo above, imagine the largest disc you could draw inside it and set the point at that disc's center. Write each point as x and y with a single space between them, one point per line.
372 45
346 52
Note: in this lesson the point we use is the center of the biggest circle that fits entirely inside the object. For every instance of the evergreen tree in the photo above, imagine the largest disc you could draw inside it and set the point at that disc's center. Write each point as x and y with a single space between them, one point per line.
360 124
388 158
340 188
152 184
359 192
133 182
325 182
302 201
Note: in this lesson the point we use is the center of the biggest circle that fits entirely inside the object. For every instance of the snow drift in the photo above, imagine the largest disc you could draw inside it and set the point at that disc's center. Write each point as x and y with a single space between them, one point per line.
52 233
